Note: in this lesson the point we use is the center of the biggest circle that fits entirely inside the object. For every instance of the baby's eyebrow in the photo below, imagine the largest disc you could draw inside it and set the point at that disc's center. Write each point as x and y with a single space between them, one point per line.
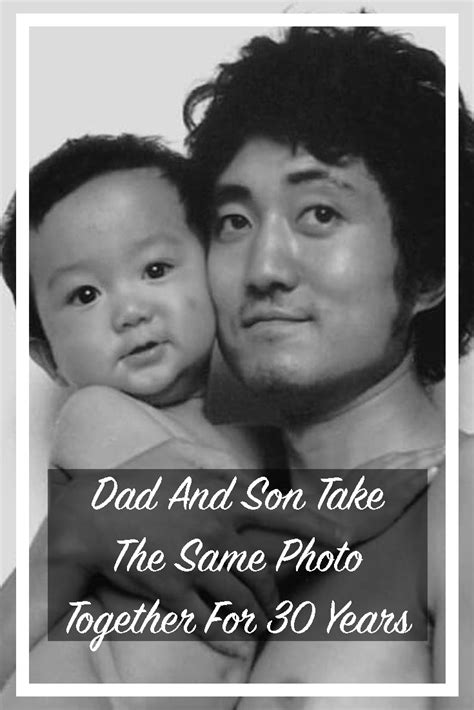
62 271
171 238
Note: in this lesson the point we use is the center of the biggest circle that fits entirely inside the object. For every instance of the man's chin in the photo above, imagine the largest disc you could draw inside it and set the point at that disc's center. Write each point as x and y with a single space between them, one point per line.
285 380
273 379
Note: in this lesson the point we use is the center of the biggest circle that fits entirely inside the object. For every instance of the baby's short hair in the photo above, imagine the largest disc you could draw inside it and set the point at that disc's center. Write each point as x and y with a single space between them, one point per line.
72 165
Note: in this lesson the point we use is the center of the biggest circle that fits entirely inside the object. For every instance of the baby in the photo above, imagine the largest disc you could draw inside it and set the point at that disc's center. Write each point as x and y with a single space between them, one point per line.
120 312
120 297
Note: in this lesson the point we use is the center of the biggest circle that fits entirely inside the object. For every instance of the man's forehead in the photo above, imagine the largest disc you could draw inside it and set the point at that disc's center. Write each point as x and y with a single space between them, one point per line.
292 166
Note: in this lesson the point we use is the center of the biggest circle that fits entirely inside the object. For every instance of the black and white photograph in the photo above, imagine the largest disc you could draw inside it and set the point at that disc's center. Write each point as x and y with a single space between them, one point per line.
237 311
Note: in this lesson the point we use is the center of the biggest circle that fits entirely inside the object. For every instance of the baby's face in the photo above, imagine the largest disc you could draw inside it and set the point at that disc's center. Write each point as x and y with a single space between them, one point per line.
121 288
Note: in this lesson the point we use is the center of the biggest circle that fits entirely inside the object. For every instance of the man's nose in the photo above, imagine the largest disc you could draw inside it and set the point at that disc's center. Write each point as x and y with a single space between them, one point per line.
272 261
130 309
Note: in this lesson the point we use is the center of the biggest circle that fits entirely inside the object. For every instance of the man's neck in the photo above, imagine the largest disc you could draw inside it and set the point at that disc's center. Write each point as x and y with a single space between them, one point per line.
393 416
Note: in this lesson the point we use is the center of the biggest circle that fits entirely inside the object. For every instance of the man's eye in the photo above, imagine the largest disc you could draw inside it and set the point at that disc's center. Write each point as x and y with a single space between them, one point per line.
320 215
83 295
157 270
230 223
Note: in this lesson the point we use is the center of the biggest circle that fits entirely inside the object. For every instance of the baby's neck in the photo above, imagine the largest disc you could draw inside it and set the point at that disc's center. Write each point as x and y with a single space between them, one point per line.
190 416
189 413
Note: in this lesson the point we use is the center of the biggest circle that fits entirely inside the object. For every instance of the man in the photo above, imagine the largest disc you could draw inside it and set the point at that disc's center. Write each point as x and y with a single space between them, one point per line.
324 155
327 253
324 158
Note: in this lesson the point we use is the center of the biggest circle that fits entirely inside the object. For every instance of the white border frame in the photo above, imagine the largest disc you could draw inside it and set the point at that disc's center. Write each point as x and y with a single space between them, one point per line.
450 688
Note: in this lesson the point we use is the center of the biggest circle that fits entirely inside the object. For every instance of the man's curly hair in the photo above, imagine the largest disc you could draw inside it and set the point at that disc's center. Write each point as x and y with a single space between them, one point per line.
355 93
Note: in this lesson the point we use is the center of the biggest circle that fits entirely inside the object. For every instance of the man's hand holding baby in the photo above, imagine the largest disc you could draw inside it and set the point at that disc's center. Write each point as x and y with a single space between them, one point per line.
83 546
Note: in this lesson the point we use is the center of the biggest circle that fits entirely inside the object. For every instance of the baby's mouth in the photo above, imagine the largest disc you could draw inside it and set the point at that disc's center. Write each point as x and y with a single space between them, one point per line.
143 348
148 353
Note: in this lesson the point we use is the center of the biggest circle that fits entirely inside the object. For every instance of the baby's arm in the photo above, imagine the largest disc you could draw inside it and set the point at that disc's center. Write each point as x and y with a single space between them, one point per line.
100 427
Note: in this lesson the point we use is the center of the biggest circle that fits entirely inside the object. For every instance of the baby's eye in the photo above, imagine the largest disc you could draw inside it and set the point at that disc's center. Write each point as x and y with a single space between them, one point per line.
157 270
83 295
319 215
231 224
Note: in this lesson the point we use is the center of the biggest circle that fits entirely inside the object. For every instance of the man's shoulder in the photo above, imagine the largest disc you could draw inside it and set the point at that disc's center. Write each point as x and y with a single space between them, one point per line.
466 483
466 457
466 473
437 502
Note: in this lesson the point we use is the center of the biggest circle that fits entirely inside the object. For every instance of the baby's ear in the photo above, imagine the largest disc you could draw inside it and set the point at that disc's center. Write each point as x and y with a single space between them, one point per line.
41 353
429 297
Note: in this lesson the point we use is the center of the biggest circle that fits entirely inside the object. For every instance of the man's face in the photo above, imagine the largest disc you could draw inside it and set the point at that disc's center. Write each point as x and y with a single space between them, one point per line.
301 266
121 287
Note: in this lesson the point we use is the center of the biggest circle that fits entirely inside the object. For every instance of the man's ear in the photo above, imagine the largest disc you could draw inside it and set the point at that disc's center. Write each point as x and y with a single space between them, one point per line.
41 353
429 297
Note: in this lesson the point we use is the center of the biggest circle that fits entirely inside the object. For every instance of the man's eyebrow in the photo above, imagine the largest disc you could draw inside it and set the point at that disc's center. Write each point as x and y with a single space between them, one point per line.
311 174
228 192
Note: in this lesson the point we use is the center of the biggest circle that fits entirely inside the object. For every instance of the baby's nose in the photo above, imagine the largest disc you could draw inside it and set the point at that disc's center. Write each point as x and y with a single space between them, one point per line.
130 311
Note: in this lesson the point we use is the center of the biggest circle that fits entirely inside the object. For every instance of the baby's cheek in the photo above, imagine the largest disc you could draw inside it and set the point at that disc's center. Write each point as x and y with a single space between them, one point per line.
202 310
192 303
78 362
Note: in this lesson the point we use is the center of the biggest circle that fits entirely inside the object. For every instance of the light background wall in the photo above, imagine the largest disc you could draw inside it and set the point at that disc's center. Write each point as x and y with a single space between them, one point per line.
134 80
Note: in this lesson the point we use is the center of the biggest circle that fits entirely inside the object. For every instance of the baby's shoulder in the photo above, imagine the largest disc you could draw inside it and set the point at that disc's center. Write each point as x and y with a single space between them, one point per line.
98 405
100 427
95 401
